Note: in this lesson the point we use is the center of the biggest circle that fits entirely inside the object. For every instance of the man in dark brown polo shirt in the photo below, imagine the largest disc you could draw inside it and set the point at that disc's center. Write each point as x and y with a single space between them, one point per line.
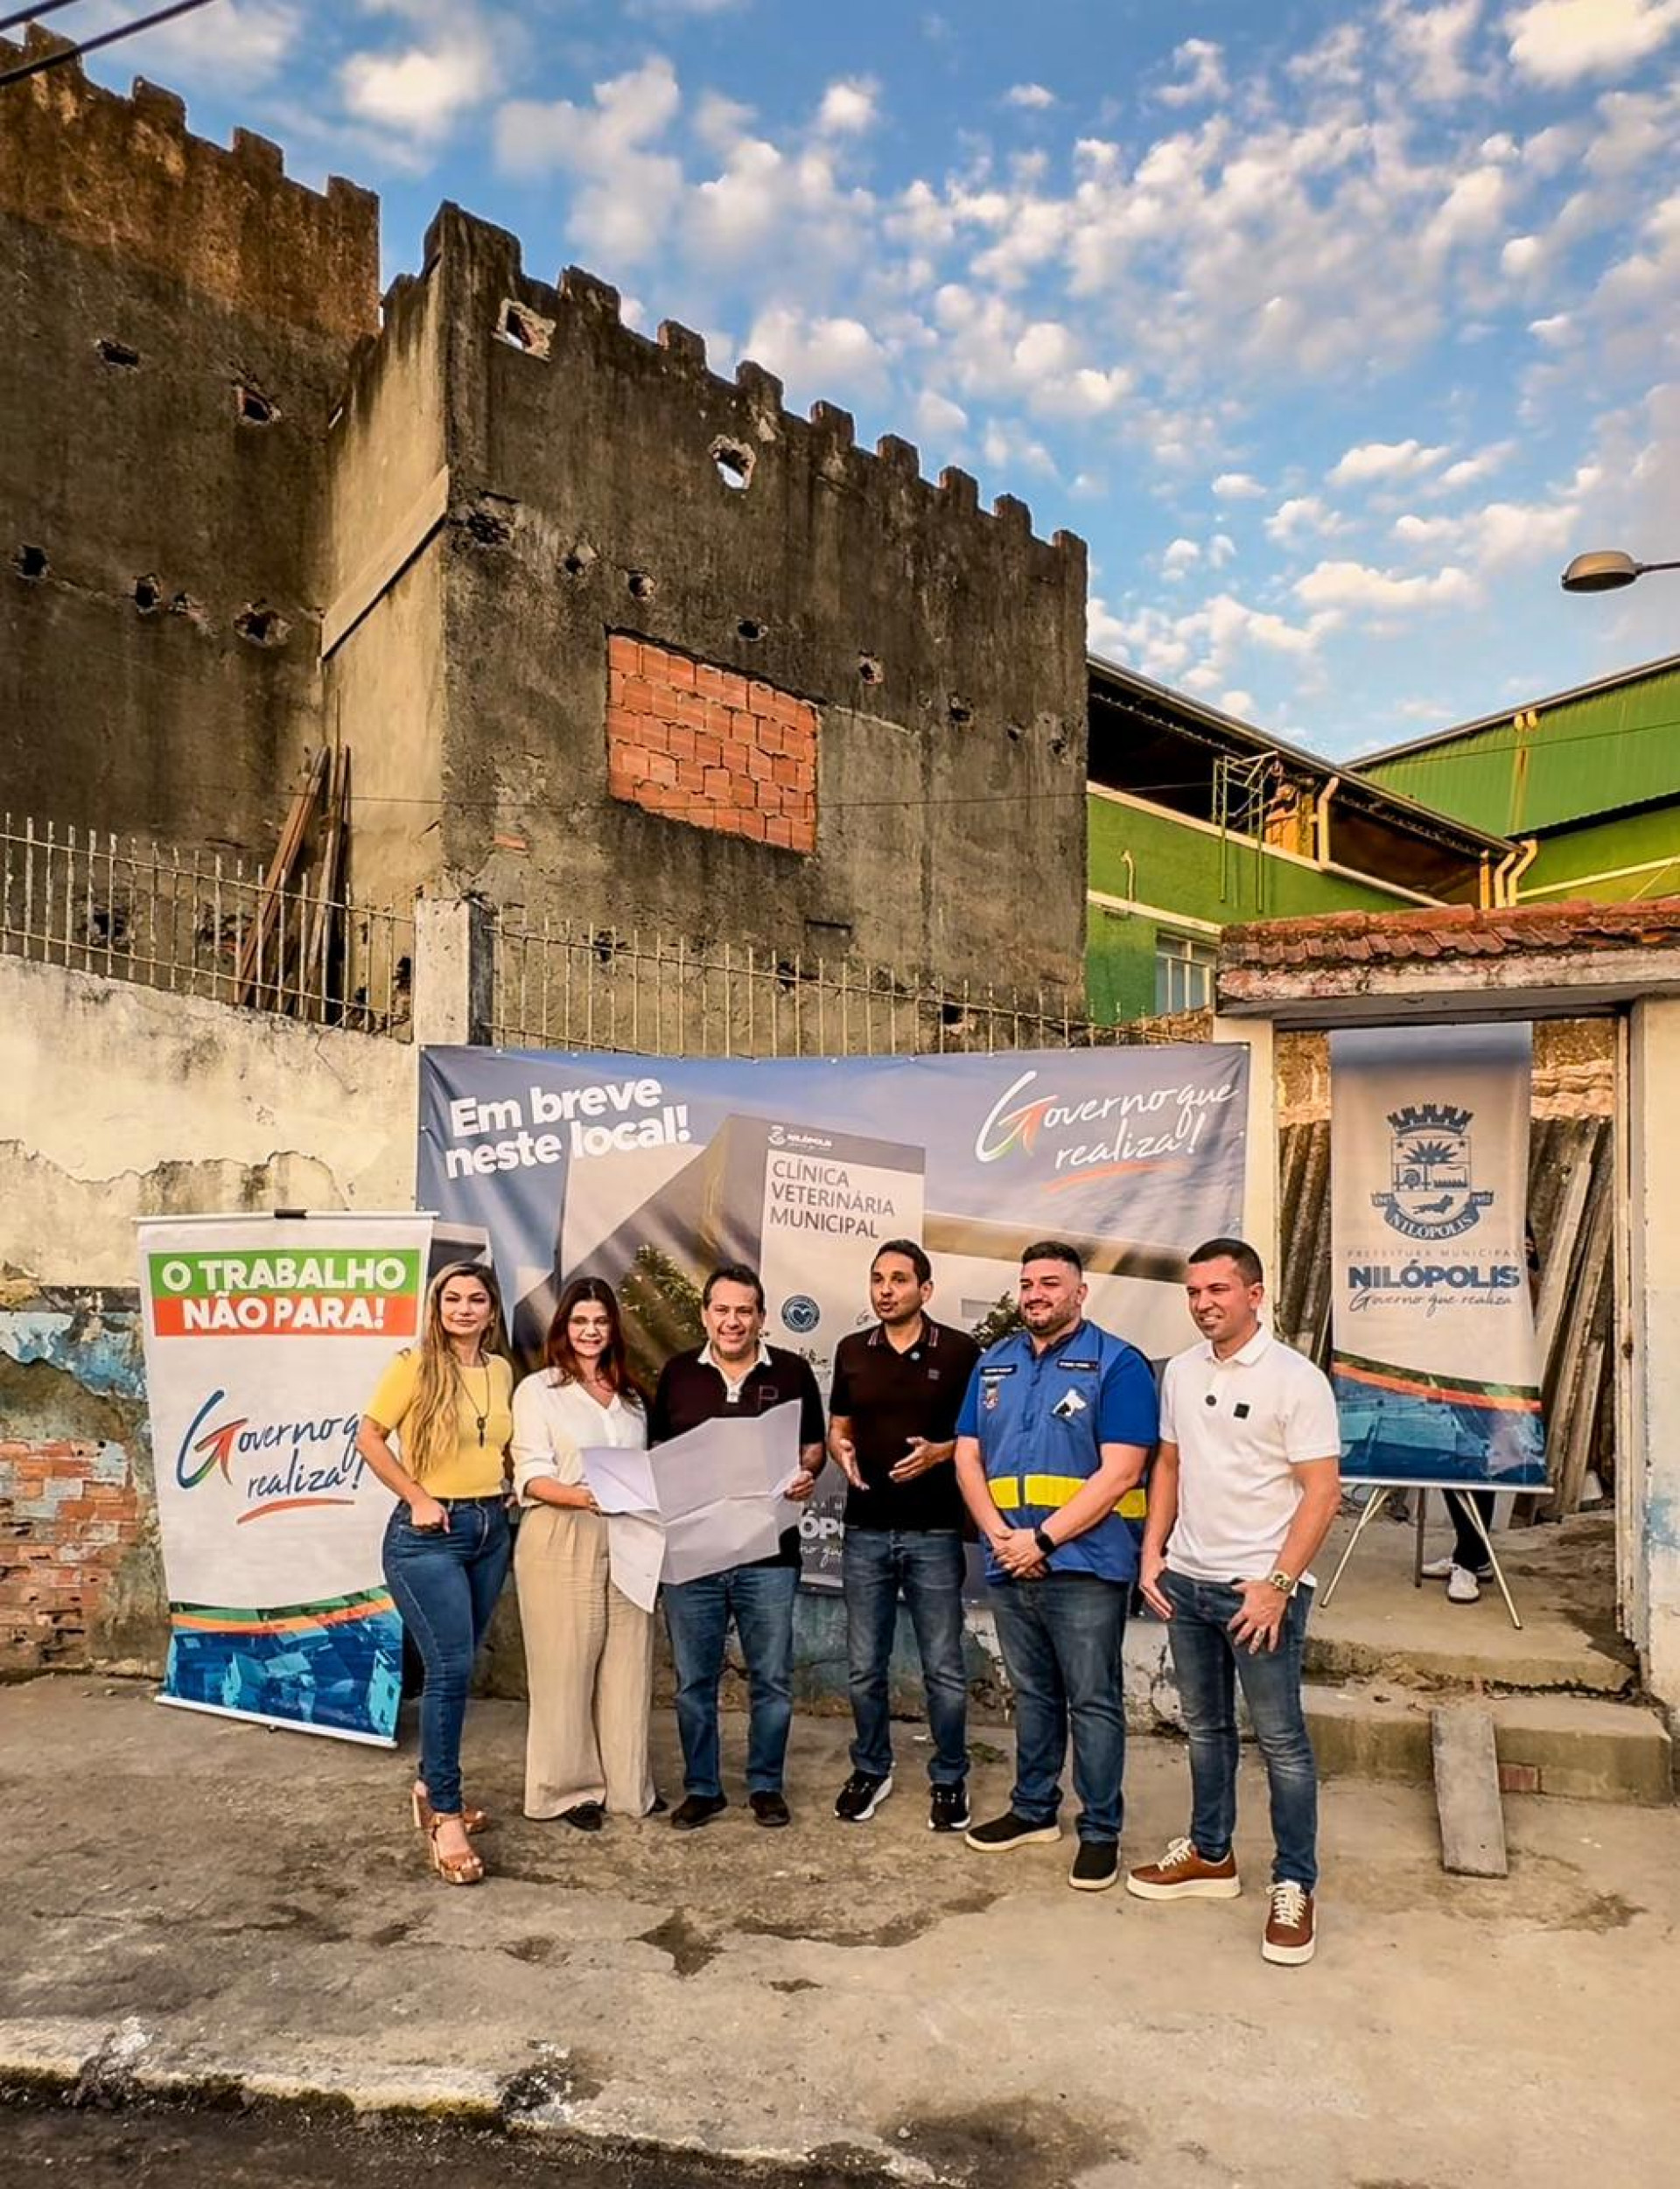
892 1427
735 1373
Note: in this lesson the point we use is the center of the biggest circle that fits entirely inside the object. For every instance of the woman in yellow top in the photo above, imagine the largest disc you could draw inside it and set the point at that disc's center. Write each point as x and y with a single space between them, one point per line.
449 1403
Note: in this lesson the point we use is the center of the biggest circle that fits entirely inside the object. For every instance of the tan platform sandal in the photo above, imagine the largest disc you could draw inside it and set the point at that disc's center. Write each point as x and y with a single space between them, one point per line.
465 1869
473 1820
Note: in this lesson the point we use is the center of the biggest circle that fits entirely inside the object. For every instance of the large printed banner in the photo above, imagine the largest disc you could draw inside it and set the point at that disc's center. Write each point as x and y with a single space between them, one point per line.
263 1338
1436 1369
650 1170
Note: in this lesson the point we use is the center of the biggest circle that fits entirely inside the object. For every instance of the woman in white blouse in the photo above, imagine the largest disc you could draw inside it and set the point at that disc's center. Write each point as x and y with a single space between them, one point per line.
589 1650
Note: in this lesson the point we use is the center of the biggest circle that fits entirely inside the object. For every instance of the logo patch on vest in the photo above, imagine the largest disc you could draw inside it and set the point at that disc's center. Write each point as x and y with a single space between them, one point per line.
1071 1364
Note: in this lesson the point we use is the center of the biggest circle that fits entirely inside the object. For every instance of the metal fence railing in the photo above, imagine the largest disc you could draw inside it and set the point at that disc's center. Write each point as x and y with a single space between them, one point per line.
202 923
563 986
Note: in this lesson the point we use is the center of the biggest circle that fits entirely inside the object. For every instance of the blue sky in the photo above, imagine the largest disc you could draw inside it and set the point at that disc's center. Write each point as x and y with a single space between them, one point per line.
1335 330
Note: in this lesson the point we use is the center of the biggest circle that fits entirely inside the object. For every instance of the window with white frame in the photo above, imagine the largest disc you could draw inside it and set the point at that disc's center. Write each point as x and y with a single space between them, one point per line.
1184 973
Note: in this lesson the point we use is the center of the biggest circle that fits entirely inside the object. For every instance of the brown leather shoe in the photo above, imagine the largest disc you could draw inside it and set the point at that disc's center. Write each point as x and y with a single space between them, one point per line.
1290 1936
1182 1874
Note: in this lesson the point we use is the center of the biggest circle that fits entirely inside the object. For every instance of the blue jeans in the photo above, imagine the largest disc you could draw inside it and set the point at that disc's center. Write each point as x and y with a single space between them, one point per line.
926 1567
760 1600
1061 1639
1209 1665
446 1583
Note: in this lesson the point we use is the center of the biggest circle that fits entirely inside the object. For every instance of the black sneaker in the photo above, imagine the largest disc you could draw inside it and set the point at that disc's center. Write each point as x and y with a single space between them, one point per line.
695 1810
588 1816
769 1808
1010 1830
1095 1866
948 1809
861 1796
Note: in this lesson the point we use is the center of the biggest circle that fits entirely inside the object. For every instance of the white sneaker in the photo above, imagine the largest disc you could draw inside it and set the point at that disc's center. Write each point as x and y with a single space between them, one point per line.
1462 1586
1439 1569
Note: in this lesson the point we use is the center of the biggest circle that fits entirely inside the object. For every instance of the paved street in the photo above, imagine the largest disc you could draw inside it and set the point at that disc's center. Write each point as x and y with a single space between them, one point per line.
227 1906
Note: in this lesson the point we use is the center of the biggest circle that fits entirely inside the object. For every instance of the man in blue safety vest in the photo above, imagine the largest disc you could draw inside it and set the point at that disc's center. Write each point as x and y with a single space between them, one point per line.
1053 1440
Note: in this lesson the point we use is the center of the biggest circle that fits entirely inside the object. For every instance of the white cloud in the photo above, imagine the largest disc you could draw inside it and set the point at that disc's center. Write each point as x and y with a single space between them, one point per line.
848 106
1220 549
939 417
628 192
421 91
1292 521
253 39
1237 487
1202 64
817 354
1470 471
1430 45
1357 586
1034 97
1238 702
1180 556
1383 460
1559 42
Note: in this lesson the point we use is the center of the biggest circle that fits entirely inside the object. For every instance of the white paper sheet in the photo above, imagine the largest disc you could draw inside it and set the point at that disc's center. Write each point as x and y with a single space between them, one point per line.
707 1500
619 1478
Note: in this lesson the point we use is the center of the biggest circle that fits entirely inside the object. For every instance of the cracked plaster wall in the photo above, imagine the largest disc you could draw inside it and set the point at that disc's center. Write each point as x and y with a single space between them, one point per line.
118 1101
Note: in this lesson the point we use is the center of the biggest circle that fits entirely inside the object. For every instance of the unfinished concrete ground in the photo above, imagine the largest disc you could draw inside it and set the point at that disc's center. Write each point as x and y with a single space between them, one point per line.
207 1902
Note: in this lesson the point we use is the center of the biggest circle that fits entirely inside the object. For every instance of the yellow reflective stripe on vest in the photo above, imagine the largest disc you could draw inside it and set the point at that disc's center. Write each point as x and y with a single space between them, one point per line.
1010 1492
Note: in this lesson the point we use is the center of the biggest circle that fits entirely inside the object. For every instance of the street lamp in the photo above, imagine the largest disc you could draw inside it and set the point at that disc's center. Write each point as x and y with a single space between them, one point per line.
1606 570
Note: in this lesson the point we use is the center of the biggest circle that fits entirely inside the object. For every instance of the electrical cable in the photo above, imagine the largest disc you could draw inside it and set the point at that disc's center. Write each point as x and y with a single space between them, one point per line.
93 44
32 15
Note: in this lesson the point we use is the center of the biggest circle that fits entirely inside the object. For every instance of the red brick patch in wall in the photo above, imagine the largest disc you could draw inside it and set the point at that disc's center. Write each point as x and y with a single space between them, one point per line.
69 1515
709 746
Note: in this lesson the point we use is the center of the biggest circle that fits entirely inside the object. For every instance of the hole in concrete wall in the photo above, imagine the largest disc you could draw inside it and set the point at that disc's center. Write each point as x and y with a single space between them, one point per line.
950 1014
117 354
641 586
29 561
577 560
751 630
869 669
254 408
960 711
148 595
1058 745
260 625
734 464
523 329
1014 732
489 528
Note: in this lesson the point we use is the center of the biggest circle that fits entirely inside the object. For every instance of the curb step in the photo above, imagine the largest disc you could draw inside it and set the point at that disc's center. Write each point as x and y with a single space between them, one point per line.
1584 1747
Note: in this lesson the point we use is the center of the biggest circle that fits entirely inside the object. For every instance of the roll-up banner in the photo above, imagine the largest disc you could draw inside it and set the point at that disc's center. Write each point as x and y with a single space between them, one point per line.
650 1170
1436 1368
263 1338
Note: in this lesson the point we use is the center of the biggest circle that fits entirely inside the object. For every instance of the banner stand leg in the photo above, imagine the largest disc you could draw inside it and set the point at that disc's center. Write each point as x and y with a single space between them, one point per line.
1417 1541
1374 1505
1475 1511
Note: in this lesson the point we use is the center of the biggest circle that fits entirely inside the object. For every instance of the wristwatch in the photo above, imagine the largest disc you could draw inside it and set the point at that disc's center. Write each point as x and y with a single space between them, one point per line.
1045 1543
1286 1582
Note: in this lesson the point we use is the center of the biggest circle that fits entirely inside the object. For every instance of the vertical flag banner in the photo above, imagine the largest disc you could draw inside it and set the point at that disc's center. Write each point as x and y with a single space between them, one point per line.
1436 1368
263 1338
651 1171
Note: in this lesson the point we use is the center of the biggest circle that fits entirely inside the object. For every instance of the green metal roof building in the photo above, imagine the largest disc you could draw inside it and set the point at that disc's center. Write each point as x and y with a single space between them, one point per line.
1197 819
1589 778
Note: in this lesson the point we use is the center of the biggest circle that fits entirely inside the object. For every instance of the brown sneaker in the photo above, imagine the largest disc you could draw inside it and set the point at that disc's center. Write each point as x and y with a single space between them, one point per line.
1289 1934
1182 1874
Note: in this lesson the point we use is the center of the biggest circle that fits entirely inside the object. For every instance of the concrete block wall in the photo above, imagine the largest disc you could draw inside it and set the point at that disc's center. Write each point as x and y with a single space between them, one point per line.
180 317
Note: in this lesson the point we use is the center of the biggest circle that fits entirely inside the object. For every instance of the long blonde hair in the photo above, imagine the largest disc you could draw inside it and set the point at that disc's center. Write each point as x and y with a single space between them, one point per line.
431 1431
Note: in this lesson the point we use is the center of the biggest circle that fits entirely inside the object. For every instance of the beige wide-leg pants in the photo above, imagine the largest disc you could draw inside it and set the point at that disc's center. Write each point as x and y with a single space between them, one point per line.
589 1662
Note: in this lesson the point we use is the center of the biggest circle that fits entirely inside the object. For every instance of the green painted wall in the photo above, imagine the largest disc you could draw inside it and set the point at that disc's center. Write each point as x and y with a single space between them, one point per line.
1176 869
1634 841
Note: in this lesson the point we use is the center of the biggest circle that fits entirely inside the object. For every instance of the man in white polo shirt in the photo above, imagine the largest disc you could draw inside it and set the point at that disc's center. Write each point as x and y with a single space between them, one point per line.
1245 1486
